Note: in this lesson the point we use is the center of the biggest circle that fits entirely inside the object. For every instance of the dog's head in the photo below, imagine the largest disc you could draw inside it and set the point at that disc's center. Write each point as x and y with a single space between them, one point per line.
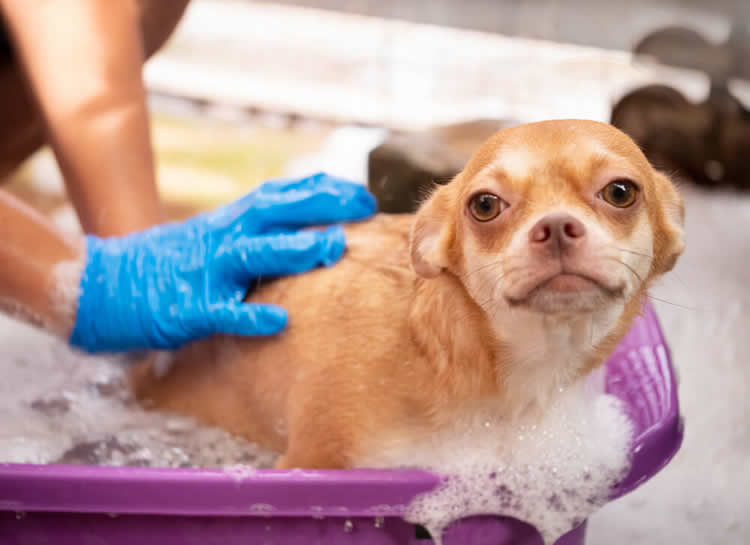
557 217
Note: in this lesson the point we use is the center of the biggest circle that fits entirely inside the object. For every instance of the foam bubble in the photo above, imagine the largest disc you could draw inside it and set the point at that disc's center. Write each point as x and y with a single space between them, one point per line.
240 472
11 307
62 295
552 473
64 292
58 405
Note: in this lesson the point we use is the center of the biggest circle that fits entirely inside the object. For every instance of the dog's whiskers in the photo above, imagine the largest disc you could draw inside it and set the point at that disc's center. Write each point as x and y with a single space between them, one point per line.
492 287
636 253
497 262
670 302
628 267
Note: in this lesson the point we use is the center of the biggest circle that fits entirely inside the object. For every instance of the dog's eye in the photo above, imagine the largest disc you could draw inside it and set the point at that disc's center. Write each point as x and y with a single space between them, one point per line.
620 193
486 206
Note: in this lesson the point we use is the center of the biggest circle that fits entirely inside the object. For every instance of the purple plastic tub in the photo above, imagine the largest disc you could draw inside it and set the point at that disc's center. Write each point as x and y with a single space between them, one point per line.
80 505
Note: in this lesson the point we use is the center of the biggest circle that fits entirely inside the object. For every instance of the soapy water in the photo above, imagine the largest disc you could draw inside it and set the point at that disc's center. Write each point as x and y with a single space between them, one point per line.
59 406
65 291
551 473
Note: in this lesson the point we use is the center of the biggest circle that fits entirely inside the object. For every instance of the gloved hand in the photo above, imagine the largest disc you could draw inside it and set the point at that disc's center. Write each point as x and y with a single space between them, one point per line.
174 283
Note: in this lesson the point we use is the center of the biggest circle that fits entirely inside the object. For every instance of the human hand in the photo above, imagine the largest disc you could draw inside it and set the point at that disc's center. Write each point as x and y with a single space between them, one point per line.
171 284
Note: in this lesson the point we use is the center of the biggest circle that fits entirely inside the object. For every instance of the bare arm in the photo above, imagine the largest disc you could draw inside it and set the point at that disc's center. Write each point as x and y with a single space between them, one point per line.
39 268
84 61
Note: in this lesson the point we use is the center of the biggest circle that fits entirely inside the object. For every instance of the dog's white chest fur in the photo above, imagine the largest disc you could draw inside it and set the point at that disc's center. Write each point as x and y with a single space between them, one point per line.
547 353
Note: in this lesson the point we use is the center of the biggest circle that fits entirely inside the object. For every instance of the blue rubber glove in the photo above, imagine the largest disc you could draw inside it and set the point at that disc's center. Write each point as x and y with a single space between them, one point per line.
171 284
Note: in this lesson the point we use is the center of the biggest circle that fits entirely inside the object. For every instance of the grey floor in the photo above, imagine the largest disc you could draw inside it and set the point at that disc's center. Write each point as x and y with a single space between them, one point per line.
703 496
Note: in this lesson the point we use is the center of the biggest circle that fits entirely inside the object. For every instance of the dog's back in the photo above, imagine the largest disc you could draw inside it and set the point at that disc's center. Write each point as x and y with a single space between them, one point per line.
337 315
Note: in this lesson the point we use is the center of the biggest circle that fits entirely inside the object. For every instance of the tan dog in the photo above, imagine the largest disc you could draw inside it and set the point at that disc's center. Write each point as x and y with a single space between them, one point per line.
513 281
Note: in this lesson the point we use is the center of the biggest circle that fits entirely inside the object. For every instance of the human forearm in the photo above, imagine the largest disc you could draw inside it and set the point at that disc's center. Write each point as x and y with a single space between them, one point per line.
84 60
39 268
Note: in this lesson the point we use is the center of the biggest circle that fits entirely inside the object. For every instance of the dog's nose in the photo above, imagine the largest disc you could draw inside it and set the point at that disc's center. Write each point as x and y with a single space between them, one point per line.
558 231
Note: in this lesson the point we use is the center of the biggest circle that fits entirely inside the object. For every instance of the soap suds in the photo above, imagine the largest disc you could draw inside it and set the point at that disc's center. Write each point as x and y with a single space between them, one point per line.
551 473
13 308
64 292
58 405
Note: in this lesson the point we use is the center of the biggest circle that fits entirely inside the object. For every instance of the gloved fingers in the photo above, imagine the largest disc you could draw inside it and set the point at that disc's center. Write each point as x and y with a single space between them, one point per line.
319 181
249 320
315 200
283 254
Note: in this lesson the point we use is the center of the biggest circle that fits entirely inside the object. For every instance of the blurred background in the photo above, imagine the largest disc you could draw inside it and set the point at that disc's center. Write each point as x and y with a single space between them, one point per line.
395 94
246 90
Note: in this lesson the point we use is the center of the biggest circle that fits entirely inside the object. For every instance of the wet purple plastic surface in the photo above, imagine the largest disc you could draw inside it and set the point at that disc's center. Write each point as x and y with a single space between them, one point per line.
79 505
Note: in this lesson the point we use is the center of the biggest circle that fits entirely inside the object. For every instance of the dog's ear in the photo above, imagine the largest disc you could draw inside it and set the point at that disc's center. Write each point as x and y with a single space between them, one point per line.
670 241
431 233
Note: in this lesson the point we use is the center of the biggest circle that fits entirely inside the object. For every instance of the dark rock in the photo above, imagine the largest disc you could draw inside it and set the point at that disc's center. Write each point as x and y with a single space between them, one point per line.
404 169
708 143
686 48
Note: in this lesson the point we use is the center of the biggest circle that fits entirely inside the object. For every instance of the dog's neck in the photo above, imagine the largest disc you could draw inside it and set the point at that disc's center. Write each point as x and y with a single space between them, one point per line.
522 357
543 355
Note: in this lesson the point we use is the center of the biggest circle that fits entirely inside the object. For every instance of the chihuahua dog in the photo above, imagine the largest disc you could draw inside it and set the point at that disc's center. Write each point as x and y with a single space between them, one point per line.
511 282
